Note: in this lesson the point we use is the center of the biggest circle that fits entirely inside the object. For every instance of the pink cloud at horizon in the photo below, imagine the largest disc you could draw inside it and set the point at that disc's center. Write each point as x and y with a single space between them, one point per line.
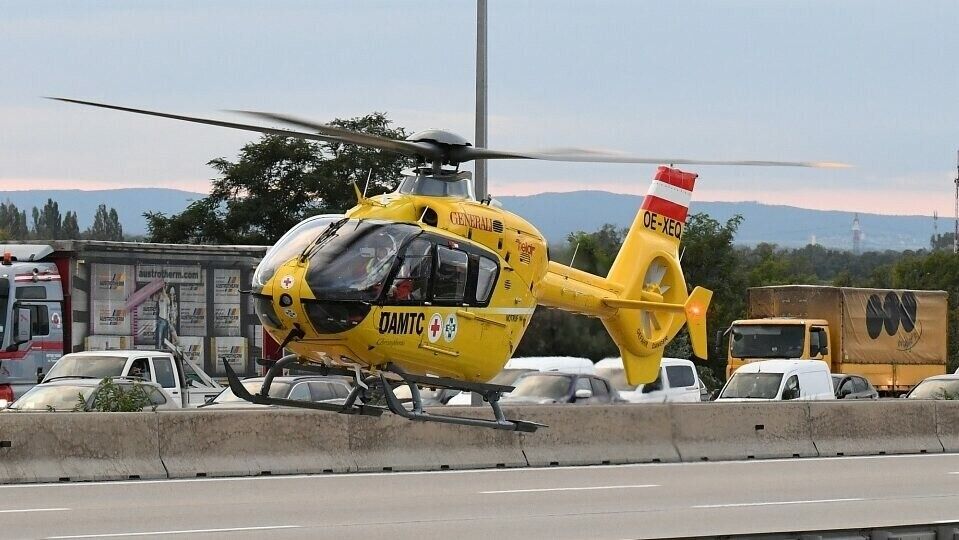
27 184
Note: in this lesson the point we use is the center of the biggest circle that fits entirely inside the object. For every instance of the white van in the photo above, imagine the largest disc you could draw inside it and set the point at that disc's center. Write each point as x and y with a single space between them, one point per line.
566 364
781 380
677 381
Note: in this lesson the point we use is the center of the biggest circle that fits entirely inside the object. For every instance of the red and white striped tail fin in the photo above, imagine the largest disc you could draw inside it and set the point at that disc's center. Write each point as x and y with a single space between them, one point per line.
670 193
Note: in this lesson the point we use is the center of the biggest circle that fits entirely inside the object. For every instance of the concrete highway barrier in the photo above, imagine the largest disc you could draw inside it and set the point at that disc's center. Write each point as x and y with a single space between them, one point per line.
64 447
390 443
253 442
862 427
596 435
52 447
731 431
947 424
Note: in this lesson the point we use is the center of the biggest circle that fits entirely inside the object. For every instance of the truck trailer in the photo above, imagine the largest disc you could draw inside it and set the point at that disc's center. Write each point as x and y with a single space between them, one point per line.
895 338
58 297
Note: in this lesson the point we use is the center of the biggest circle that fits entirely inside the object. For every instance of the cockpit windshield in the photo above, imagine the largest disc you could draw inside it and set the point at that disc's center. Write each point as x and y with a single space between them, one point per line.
434 187
352 261
291 244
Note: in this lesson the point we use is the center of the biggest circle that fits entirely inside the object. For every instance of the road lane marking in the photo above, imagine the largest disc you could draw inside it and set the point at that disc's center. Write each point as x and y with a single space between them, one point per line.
34 510
345 475
774 503
569 489
190 531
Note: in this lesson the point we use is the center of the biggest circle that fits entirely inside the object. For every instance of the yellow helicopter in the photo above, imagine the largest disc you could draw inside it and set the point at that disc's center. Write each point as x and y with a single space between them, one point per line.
429 287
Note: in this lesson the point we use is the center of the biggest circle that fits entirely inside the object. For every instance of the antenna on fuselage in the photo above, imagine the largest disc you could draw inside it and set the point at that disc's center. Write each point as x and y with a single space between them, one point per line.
573 258
367 186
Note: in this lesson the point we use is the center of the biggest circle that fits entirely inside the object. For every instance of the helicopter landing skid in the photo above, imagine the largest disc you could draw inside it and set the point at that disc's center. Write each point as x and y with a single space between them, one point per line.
263 397
490 392
365 391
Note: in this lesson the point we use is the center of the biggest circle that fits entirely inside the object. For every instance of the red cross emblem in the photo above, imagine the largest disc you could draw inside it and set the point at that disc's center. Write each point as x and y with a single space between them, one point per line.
434 328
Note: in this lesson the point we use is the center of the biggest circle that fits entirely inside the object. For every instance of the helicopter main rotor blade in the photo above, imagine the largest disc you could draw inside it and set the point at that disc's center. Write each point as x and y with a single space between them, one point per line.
597 156
332 134
355 137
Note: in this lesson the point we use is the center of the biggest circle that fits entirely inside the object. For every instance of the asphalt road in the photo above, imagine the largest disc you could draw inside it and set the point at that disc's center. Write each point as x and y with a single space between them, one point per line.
613 502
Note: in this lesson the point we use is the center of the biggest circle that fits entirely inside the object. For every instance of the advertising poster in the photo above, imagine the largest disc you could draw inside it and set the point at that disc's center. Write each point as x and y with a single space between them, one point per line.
193 319
145 323
226 286
107 343
231 349
169 273
111 282
192 348
110 318
226 320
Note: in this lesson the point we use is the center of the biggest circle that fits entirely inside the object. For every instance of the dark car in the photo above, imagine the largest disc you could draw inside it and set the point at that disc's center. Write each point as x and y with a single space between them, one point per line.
554 387
853 387
304 388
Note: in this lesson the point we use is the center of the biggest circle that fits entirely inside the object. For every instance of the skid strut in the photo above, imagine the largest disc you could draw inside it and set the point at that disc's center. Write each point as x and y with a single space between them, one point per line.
364 399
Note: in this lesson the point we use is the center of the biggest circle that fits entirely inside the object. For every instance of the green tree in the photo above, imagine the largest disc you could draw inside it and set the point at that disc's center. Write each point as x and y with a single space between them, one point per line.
47 222
71 229
106 225
278 181
13 221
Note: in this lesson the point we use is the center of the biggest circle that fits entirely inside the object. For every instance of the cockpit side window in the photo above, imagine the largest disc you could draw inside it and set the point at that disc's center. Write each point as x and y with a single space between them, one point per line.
485 279
412 280
449 285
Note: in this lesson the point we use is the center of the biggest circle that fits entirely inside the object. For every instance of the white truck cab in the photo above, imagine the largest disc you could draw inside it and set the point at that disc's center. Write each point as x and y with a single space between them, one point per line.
678 381
186 383
779 380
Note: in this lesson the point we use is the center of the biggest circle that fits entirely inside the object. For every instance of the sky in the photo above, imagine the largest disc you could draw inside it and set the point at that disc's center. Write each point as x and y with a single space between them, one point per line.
871 83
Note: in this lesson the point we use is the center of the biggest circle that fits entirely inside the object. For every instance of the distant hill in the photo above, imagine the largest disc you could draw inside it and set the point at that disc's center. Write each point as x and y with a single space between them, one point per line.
130 203
558 214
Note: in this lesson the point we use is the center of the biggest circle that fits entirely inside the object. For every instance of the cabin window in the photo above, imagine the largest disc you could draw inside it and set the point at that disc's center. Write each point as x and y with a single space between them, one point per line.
35 292
39 321
451 273
485 279
412 280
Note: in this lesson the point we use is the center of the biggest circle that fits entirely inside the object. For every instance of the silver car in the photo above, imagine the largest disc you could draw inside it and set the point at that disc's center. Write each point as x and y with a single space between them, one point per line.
79 394
315 388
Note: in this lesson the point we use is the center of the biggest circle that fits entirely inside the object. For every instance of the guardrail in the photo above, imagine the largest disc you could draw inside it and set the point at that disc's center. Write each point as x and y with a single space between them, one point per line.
54 447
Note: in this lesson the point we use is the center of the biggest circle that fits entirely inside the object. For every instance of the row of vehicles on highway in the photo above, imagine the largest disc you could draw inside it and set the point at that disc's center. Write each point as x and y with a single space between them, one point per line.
170 382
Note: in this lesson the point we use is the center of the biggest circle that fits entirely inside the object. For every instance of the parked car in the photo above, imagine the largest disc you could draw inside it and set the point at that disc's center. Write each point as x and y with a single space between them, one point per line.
566 364
507 377
853 387
677 381
937 387
555 387
64 394
782 380
305 388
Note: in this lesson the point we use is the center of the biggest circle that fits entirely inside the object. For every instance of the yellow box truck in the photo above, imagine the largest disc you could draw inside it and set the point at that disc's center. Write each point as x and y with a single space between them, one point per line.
895 338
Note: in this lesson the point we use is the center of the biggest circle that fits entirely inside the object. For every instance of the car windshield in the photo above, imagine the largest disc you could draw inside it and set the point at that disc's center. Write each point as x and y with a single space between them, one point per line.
936 389
508 377
768 340
616 377
753 386
353 260
98 367
60 397
277 389
542 386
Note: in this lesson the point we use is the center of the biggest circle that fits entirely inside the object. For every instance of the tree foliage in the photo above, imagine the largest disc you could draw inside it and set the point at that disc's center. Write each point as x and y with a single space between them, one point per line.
13 222
277 182
106 225
47 221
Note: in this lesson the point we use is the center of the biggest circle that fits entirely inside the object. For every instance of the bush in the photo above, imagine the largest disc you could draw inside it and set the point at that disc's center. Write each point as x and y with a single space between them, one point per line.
111 397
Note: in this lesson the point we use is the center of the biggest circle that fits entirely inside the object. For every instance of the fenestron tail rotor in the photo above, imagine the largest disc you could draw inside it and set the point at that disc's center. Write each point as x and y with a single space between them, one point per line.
440 147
